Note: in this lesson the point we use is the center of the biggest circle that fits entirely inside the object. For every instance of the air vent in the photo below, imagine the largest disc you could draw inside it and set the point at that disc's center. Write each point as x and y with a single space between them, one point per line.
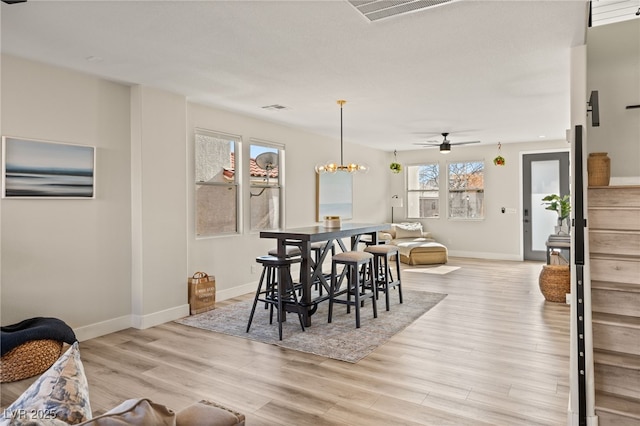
274 107
609 11
375 10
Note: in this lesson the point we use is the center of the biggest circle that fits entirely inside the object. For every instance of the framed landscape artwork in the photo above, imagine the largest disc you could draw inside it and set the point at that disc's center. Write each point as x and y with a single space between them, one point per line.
334 195
43 169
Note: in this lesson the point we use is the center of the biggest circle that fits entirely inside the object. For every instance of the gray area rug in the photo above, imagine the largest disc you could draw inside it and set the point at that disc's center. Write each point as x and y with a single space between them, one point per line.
339 340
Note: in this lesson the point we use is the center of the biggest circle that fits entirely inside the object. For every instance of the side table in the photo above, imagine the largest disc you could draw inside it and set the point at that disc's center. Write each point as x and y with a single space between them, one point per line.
555 241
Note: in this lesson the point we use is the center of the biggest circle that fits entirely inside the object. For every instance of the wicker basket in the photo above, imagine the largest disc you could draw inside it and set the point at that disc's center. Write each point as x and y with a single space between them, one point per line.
29 359
598 169
555 282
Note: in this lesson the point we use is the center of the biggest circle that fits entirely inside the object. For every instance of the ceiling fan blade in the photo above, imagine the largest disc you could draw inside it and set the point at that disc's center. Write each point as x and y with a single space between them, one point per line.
463 143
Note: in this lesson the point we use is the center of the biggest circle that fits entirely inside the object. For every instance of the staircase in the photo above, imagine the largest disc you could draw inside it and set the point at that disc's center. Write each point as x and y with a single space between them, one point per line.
614 242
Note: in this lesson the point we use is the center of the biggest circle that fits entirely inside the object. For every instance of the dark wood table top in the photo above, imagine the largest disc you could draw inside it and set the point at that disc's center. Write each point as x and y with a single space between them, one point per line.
321 233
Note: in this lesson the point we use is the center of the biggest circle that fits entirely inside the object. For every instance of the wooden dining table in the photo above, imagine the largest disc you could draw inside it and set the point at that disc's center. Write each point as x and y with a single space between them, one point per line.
310 271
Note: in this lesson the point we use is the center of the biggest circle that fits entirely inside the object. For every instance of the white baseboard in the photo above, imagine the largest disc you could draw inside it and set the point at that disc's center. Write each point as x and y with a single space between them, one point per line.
101 328
624 180
98 329
157 318
482 255
236 291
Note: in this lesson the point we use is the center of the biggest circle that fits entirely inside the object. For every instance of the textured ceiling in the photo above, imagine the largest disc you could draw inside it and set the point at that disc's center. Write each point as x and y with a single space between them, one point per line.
495 71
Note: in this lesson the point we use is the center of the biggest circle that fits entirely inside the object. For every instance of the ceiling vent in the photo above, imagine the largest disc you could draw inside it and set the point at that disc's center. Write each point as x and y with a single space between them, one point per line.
375 10
274 107
609 11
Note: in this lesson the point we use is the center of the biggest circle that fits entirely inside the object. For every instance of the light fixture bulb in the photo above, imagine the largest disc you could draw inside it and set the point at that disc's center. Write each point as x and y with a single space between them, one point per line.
334 167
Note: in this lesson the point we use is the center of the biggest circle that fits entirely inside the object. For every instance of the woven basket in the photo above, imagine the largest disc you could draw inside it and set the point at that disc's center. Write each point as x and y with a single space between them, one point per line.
29 359
598 169
555 282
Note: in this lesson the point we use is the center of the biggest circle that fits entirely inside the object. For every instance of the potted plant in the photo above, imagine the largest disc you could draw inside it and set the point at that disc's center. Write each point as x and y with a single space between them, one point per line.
395 166
499 161
560 205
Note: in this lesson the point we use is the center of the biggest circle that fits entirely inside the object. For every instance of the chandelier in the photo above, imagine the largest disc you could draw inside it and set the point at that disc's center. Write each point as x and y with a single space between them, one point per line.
332 167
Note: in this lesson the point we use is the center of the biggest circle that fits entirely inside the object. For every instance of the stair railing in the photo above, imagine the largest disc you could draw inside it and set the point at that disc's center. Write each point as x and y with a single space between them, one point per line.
582 383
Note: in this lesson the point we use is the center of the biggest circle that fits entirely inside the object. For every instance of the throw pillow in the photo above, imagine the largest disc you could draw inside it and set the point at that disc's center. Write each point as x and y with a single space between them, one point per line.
408 230
61 393
141 411
215 413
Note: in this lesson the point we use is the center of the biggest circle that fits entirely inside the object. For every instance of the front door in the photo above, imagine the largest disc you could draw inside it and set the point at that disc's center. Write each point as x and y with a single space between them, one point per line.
543 174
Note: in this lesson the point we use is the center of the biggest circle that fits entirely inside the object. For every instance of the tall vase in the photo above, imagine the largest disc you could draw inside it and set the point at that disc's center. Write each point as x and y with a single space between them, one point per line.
598 169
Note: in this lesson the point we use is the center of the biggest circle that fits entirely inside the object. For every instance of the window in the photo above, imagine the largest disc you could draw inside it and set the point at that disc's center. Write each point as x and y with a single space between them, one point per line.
466 190
423 191
265 189
216 183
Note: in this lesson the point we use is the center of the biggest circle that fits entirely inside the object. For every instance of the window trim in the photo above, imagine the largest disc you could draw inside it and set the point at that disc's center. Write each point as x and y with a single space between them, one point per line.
448 192
281 179
408 191
237 180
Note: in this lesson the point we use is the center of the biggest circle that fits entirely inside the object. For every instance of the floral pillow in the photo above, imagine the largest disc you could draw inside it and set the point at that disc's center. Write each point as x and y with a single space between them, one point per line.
60 393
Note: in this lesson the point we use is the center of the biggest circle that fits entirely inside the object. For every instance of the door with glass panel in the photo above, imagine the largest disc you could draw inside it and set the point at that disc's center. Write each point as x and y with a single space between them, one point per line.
543 174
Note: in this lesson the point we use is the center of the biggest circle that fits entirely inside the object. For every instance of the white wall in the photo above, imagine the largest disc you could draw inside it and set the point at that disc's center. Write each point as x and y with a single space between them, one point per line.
230 258
123 259
613 64
498 235
159 204
69 259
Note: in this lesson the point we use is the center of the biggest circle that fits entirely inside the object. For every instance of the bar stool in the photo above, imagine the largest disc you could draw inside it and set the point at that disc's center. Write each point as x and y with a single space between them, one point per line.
290 251
383 277
276 294
355 264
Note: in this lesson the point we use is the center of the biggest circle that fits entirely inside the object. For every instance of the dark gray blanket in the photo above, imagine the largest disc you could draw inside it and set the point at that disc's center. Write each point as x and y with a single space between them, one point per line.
38 328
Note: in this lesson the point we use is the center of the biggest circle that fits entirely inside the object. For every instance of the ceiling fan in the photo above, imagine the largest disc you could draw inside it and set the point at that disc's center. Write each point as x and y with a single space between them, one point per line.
445 145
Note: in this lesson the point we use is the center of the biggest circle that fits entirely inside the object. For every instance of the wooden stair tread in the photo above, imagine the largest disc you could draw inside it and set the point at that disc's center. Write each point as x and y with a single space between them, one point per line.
614 208
615 187
614 231
629 407
606 256
611 286
617 359
618 320
617 257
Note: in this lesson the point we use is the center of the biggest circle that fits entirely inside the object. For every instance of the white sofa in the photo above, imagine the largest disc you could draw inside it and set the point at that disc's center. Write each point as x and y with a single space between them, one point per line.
415 246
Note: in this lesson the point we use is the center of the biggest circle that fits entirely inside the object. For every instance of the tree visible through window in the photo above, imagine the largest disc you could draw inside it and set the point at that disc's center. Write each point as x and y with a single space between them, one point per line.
423 187
466 190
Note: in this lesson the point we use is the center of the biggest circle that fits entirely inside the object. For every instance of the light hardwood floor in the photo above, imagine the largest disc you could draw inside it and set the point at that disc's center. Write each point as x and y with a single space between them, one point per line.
493 352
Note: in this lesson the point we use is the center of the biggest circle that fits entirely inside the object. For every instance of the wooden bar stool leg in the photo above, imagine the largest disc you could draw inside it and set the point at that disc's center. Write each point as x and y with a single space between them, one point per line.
357 297
255 299
398 277
373 299
332 289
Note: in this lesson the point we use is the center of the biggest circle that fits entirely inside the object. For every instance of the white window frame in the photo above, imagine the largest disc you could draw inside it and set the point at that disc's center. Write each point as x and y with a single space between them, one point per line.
410 191
204 177
256 188
449 192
